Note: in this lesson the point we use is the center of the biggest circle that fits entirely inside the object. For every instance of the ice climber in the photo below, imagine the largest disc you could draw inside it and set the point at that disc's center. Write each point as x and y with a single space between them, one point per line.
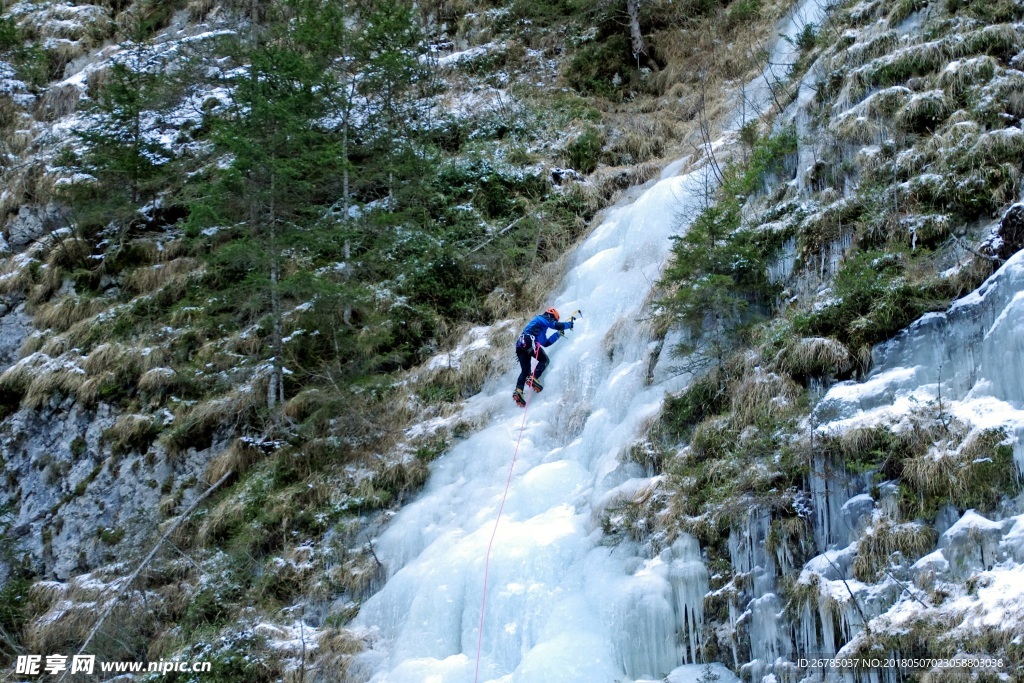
529 345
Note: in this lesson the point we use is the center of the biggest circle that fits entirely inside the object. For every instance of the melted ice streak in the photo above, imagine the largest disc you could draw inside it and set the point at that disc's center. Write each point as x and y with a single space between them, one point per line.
561 606
759 95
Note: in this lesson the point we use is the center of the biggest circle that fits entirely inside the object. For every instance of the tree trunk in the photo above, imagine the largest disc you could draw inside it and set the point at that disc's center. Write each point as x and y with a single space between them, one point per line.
275 392
346 207
637 37
346 200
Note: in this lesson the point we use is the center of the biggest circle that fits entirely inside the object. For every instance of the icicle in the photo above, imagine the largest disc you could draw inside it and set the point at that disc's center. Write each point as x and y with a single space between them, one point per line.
689 579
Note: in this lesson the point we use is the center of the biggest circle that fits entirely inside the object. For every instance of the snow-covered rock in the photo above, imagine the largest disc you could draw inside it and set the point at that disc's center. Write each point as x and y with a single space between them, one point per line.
972 544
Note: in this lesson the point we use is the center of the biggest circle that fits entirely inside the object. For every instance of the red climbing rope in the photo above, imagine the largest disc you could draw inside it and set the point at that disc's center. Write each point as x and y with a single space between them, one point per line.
487 559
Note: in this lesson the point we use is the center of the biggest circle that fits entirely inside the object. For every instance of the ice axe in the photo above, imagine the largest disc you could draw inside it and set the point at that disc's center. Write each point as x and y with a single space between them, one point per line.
572 319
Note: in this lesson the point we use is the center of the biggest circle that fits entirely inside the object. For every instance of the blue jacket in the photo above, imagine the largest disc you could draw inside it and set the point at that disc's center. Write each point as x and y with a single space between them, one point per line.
537 328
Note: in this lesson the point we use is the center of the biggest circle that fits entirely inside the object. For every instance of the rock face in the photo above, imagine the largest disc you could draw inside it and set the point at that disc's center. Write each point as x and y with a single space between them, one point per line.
973 545
80 505
1011 232
31 223
15 325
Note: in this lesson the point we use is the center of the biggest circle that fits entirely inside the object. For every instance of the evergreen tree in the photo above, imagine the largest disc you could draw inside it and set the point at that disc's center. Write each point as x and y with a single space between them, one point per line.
129 163
287 156
393 81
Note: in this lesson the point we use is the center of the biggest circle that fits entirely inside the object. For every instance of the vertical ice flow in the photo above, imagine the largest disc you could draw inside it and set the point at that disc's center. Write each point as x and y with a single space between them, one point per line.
561 607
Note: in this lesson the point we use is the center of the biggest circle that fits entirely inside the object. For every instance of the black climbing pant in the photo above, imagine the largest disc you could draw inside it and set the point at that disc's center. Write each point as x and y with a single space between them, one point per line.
524 354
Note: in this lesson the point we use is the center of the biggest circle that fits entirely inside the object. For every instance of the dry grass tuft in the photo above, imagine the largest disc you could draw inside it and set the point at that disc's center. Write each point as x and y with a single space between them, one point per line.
106 356
468 371
613 180
65 381
47 281
541 282
151 278
335 649
305 403
760 394
500 303
998 40
709 437
862 53
198 9
58 101
958 76
643 139
132 431
961 472
170 251
357 576
226 515
588 198
9 113
401 478
815 357
883 539
195 427
861 130
38 377
16 274
997 146
33 343
237 458
924 111
69 253
54 345
117 365
865 122
60 315
16 143
69 619
159 380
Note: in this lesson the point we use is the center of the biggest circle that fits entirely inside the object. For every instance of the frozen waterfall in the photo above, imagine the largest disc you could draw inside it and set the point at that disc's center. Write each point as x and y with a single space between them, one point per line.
561 606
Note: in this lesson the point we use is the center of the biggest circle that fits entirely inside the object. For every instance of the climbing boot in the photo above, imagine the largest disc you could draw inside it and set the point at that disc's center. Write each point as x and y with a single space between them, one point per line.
518 397
534 384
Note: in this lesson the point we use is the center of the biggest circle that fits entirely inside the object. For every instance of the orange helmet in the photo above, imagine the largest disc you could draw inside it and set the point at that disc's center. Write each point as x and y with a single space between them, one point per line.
553 312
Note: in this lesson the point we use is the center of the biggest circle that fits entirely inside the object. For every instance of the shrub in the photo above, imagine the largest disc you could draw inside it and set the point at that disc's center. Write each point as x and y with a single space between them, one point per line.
873 300
545 13
584 152
718 278
15 598
745 11
601 68
706 396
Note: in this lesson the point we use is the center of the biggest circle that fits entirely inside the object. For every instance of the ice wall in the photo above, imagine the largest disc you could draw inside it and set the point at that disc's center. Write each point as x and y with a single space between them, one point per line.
970 356
561 605
968 359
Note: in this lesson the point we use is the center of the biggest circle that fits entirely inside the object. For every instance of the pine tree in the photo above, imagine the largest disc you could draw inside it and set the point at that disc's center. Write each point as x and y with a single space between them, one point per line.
393 81
287 153
119 150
